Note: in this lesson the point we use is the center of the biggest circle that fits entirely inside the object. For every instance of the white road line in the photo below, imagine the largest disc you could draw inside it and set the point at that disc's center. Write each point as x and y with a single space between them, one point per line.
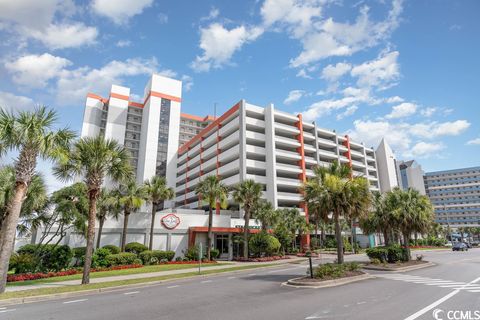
2 308
361 302
8 310
74 301
171 287
133 292
474 290
230 278
438 302
206 281
273 271
252 274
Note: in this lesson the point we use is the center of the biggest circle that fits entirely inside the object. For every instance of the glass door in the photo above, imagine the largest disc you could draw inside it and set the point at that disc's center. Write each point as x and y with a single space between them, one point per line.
221 244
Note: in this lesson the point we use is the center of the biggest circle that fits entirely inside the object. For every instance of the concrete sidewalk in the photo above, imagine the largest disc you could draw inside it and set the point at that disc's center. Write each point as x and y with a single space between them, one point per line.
147 275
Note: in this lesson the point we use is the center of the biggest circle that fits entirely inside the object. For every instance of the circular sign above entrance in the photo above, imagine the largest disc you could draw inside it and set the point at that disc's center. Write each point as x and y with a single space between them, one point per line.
170 221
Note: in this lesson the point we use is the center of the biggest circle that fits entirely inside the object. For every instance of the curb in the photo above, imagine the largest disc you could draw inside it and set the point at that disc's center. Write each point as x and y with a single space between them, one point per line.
55 296
404 269
326 284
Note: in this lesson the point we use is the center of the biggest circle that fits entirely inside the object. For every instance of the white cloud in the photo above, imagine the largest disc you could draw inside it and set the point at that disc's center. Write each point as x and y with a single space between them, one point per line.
123 43
60 36
348 112
294 96
403 137
11 102
329 38
120 11
162 18
187 82
394 99
36 70
402 110
31 19
474 141
425 149
428 112
381 72
214 12
219 44
334 72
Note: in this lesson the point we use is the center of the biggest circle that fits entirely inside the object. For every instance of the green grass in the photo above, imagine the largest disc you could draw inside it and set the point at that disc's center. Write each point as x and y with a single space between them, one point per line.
103 274
77 288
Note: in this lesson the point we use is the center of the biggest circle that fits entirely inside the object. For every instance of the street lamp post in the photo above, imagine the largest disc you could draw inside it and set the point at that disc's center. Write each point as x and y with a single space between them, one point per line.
448 222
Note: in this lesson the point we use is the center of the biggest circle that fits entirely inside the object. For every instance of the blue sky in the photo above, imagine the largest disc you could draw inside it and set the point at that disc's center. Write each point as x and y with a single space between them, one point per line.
407 70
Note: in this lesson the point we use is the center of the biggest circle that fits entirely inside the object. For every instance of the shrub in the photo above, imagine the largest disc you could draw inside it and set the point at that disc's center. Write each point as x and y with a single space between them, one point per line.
395 253
123 258
191 254
263 244
135 247
379 253
330 243
214 254
137 261
156 256
99 258
23 263
375 261
169 255
419 257
112 248
333 270
49 257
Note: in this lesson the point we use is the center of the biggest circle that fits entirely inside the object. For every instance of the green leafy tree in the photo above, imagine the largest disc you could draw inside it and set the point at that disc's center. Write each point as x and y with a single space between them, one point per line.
131 196
266 215
248 194
157 193
94 159
212 191
32 135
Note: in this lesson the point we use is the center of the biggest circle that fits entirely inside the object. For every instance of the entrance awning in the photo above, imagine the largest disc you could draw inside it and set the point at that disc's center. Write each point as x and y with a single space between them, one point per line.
192 232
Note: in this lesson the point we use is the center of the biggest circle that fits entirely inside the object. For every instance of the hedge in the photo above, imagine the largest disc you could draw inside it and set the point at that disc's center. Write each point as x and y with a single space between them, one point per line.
112 248
156 256
262 243
123 258
135 247
390 254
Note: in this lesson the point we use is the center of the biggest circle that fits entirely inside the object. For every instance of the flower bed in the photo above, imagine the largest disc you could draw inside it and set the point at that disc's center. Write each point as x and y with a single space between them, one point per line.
42 275
262 259
428 247
188 262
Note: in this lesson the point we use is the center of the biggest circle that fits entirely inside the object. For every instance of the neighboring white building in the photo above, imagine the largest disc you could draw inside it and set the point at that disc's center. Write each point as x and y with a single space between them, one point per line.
410 175
386 166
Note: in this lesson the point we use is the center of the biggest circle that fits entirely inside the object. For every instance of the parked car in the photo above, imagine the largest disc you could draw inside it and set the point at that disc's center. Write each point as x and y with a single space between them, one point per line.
475 243
448 244
468 244
459 246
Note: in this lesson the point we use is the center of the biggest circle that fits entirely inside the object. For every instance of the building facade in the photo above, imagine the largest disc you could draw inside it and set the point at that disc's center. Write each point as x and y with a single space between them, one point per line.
455 195
387 169
410 175
269 146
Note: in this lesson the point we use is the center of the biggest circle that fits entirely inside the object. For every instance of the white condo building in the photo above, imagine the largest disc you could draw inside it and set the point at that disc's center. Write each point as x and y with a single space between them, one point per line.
386 163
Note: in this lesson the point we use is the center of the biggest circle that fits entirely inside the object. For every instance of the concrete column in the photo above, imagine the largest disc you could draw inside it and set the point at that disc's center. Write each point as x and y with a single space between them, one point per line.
117 114
230 246
271 172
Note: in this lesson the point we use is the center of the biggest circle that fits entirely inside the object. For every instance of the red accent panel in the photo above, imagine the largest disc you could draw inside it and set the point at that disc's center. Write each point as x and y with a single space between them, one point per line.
119 96
209 128
161 95
305 241
348 154
96 96
135 104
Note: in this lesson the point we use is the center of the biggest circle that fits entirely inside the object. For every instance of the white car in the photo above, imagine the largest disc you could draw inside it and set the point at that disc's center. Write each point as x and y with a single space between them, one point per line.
448 244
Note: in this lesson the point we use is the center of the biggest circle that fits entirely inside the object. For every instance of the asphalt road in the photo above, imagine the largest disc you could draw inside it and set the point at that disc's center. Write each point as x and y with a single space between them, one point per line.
453 284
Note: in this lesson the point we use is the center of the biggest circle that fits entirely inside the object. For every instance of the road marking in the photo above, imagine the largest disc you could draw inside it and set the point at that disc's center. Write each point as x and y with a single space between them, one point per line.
8 310
273 271
133 292
2 308
171 287
252 274
438 302
206 281
361 302
230 278
75 301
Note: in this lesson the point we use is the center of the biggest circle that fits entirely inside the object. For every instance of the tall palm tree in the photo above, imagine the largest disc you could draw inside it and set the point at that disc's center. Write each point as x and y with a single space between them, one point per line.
266 215
131 197
107 206
212 191
157 192
32 134
334 189
248 194
358 203
413 213
94 159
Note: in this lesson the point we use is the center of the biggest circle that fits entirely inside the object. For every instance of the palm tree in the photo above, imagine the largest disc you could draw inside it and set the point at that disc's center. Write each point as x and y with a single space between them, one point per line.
413 213
94 159
247 193
131 197
266 215
107 206
212 191
157 192
334 190
32 135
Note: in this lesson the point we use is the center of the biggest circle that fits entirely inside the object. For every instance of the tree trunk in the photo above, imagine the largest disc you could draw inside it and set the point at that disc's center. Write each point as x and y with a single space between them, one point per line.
322 230
126 215
385 237
338 235
416 238
9 226
152 224
246 230
100 229
353 231
209 235
92 214
406 241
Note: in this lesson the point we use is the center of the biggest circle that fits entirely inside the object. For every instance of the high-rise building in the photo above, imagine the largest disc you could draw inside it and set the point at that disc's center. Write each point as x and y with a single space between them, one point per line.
455 195
386 166
410 175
